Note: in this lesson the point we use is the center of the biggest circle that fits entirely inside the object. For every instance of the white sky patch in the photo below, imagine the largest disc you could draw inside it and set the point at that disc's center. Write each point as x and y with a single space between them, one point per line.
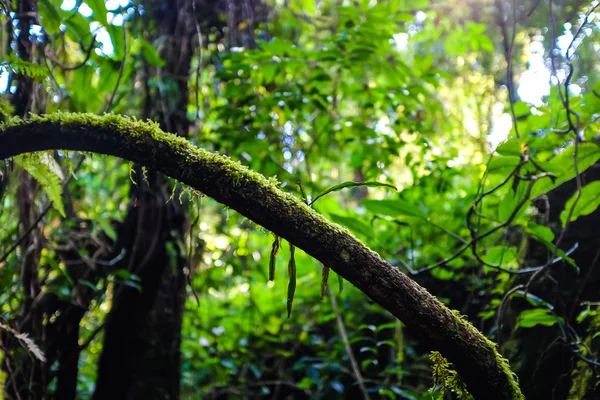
85 10
114 4
534 83
68 5
401 40
3 81
103 38
501 126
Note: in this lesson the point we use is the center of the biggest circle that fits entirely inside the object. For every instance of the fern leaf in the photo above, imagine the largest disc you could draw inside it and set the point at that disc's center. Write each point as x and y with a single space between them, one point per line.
44 169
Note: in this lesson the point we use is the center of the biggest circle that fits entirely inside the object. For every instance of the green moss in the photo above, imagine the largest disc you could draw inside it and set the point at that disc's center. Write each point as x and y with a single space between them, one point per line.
485 345
446 379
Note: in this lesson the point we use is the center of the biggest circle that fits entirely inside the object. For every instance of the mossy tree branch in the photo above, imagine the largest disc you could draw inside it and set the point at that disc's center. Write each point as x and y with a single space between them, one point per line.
475 358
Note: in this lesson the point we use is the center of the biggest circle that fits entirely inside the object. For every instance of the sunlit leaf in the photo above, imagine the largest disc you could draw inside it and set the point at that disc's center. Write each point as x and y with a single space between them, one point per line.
587 202
351 184
537 316
356 225
393 208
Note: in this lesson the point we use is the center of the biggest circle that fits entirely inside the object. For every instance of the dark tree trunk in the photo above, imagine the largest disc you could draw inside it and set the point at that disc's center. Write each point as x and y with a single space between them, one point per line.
141 356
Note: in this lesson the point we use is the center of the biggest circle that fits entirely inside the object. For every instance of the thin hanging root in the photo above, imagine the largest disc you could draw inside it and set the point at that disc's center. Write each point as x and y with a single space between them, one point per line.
340 284
292 284
324 279
274 251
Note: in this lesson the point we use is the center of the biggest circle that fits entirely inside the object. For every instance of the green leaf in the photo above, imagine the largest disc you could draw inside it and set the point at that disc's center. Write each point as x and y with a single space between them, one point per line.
486 43
588 202
88 284
350 184
512 147
50 16
533 299
510 201
542 235
117 37
503 164
563 166
107 228
150 54
501 255
78 28
537 316
109 74
56 267
44 169
354 224
393 208
540 232
99 8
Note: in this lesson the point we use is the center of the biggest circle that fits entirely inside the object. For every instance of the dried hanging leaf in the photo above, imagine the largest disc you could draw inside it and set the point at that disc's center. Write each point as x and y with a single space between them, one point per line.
324 279
292 283
274 251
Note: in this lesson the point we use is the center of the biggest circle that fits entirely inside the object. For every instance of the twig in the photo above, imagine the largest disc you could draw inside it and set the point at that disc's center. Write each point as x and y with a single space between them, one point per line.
344 335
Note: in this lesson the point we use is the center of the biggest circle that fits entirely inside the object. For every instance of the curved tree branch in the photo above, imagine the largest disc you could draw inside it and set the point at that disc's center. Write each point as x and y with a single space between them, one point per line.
475 358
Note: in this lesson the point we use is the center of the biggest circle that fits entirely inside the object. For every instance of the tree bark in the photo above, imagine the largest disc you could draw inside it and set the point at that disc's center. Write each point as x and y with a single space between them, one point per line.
141 353
475 358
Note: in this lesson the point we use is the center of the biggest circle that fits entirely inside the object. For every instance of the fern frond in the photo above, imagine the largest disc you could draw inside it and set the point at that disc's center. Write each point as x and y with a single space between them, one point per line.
15 64
6 109
47 172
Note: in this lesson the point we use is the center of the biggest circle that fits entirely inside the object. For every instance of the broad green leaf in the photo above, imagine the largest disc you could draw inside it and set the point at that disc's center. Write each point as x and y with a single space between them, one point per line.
99 8
351 184
512 147
588 202
542 236
521 109
540 232
533 299
78 28
354 224
50 16
151 54
501 255
510 201
393 208
537 316
504 164
109 74
117 37
563 166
